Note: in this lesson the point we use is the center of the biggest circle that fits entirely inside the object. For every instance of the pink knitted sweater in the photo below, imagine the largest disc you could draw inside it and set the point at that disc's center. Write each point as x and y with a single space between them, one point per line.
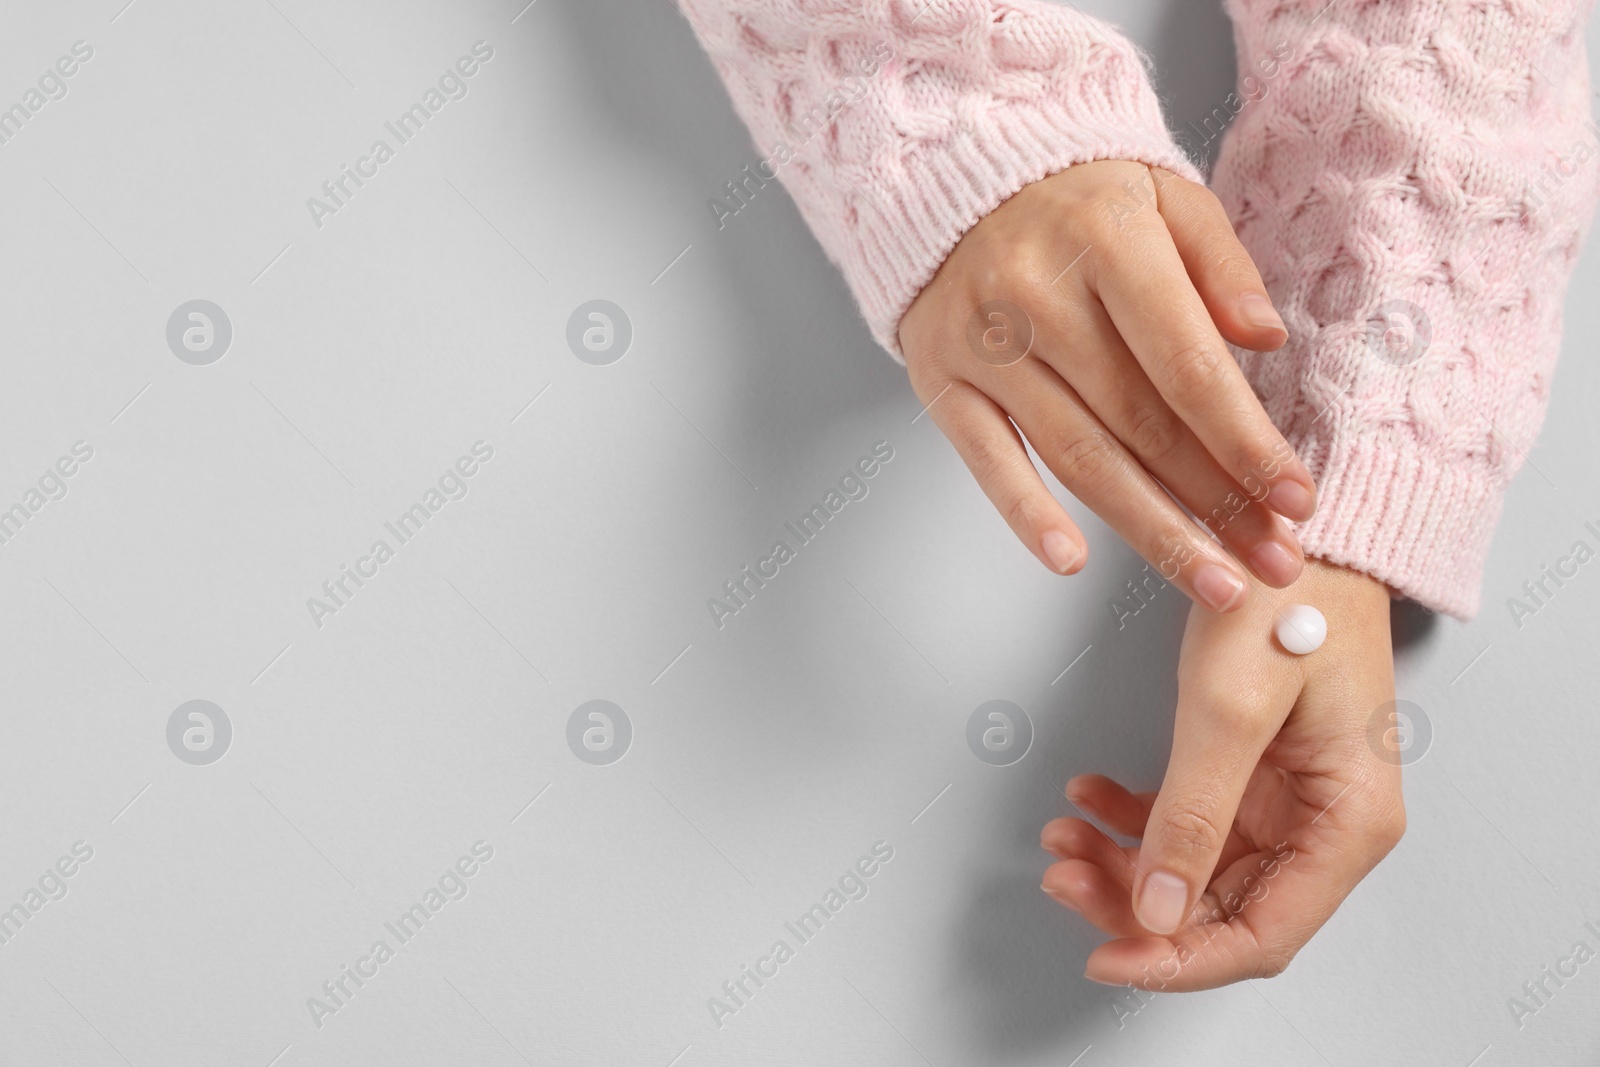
1412 177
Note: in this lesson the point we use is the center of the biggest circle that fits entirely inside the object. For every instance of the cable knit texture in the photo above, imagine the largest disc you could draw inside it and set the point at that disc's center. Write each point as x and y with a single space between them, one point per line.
1412 177
1414 183
940 111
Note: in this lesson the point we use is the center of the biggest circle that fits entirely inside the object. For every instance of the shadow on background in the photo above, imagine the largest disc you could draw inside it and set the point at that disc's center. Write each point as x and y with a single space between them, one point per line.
1020 953
1016 956
796 315
1194 73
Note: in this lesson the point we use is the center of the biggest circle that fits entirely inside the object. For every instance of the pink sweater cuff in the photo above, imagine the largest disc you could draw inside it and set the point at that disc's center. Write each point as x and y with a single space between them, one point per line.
1417 521
939 191
1413 181
954 107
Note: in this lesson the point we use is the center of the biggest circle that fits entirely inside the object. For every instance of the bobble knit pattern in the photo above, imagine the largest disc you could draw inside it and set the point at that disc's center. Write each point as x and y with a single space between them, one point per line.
1413 179
974 100
1414 185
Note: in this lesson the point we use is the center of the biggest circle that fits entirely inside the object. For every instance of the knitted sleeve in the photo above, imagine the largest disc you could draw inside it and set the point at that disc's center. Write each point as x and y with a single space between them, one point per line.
897 124
1413 178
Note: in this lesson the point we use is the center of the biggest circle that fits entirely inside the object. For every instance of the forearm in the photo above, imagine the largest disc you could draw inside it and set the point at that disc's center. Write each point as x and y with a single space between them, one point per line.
1413 181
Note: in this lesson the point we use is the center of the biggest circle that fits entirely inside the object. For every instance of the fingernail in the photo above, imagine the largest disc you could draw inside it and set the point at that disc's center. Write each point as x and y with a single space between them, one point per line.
1259 312
1083 804
1217 587
1275 564
1058 896
1163 899
1292 500
1060 551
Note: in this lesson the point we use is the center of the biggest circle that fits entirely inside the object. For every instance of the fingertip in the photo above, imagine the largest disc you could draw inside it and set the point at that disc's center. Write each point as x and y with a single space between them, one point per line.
1268 341
1132 962
1293 500
1251 338
1275 564
1116 963
1060 897
1052 838
1086 793
1257 312
1161 901
1085 804
1090 973
1083 784
1064 554
1071 877
1249 321
1218 588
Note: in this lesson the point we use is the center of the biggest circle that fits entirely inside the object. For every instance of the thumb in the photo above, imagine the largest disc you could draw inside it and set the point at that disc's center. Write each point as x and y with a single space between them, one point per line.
1222 729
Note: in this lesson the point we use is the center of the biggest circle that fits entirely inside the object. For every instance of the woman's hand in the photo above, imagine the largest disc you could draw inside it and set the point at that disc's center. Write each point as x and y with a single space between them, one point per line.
1086 310
1278 799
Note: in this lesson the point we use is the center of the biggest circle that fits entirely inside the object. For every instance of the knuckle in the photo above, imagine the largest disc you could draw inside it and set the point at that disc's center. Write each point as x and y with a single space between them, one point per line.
1154 432
1023 514
1198 209
1234 264
1107 217
1193 373
1171 550
1190 831
1206 197
1015 272
1227 266
928 378
1029 283
1091 461
1273 963
1228 704
927 368
989 458
1234 717
1390 827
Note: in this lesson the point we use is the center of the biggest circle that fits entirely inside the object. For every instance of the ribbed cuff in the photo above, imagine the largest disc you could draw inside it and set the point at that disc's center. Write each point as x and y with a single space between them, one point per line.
1409 520
907 227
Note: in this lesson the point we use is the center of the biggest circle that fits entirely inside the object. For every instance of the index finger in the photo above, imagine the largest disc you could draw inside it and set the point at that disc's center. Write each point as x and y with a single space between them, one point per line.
1154 305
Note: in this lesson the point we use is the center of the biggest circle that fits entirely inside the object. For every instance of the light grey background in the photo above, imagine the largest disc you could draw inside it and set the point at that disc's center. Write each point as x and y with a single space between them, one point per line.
370 753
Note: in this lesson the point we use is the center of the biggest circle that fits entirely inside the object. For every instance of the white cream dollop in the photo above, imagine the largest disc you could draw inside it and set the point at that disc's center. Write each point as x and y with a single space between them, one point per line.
1301 629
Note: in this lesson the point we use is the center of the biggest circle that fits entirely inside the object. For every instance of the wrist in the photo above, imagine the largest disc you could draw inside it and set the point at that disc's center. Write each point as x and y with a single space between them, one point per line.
1345 597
